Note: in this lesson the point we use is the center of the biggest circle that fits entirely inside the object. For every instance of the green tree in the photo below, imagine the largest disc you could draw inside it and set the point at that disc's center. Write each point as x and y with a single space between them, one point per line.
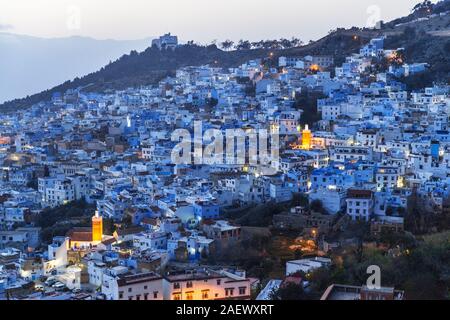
316 206
307 102
290 291
227 45
244 45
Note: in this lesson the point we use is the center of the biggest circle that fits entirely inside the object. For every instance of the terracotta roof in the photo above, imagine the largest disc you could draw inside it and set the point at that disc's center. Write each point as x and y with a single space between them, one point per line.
137 278
80 234
185 276
109 241
359 194
208 222
151 221
124 232
292 279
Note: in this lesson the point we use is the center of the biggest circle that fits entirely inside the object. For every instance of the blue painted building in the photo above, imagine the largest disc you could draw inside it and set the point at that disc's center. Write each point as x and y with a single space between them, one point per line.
206 210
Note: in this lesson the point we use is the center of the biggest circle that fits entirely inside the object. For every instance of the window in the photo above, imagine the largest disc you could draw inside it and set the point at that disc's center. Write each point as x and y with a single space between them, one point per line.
177 296
130 289
205 294
120 295
176 285
189 284
229 292
242 290
145 287
155 294
218 282
190 295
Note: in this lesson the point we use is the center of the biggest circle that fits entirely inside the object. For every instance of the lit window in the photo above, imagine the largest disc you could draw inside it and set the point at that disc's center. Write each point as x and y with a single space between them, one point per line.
190 295
176 296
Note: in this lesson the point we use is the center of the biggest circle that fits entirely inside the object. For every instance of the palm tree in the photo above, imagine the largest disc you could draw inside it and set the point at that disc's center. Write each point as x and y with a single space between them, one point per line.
227 44
271 44
243 45
423 8
295 42
285 43
258 44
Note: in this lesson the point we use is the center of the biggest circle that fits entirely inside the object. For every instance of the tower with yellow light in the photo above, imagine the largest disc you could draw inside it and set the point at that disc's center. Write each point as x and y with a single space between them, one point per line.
97 228
306 138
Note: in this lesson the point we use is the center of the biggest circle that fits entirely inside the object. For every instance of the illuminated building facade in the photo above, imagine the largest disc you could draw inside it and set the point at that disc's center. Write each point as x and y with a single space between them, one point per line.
97 228
206 285
126 286
306 138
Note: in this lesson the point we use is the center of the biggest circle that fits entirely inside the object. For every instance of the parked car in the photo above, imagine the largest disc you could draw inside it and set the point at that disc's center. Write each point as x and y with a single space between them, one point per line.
59 285
50 281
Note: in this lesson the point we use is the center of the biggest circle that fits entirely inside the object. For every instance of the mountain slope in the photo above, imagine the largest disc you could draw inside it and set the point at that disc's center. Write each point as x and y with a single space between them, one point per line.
416 34
151 65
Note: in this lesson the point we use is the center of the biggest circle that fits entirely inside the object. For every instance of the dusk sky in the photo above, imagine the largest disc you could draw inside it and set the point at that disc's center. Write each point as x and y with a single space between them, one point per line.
200 20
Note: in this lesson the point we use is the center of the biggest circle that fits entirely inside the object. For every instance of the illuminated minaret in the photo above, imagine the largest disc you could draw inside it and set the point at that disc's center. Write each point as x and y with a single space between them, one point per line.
97 228
306 138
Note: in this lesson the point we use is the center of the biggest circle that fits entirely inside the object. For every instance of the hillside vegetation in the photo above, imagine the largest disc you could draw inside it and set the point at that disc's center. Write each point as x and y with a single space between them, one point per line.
419 39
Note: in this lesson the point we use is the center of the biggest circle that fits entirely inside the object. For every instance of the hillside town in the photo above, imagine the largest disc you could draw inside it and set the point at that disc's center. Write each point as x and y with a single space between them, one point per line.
92 205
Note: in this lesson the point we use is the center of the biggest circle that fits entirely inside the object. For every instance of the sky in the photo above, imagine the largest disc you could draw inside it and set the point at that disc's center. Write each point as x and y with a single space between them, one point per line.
199 20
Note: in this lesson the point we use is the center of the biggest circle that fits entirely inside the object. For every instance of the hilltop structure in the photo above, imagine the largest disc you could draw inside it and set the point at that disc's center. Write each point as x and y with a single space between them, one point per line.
166 41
